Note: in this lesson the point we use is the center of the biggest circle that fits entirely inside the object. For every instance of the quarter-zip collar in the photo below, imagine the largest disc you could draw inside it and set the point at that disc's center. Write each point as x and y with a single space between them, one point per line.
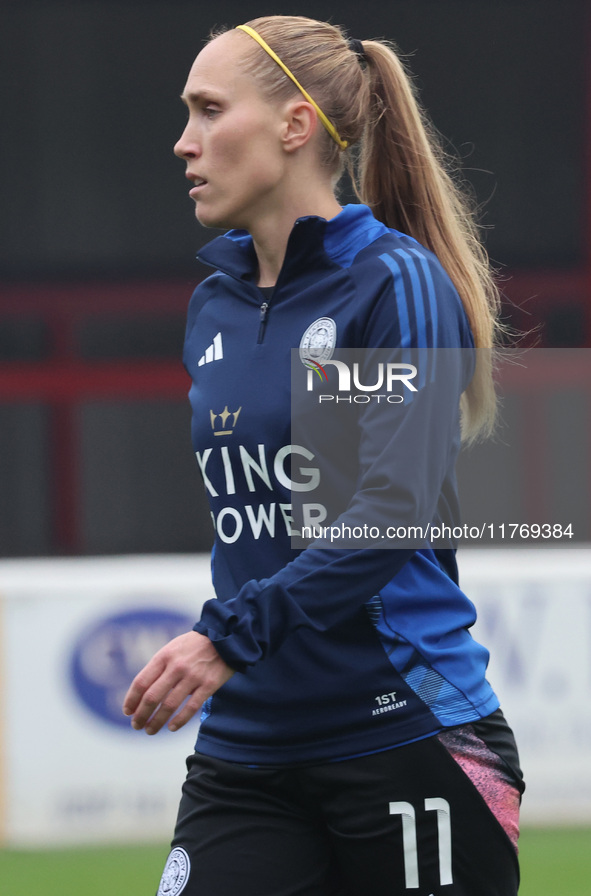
314 244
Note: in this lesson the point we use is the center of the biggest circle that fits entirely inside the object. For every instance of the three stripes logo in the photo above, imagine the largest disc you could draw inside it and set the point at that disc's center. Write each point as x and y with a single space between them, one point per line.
213 352
416 301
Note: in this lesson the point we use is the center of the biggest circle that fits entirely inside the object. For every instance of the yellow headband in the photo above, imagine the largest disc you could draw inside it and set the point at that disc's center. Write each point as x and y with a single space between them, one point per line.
325 121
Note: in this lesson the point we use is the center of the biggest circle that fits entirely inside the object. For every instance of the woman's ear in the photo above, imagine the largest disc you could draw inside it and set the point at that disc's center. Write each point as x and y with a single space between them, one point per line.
299 125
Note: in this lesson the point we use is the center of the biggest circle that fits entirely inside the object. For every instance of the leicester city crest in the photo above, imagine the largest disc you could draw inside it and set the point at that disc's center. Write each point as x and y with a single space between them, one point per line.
175 874
319 341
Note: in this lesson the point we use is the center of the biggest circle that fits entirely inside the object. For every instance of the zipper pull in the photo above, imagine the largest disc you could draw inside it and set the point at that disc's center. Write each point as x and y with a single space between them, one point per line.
263 319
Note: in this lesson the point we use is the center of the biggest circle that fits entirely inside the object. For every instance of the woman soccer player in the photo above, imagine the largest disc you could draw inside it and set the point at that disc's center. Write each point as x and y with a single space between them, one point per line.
349 741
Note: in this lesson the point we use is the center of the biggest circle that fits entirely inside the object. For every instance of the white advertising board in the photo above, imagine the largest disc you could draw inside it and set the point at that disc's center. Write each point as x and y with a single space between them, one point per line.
534 615
74 632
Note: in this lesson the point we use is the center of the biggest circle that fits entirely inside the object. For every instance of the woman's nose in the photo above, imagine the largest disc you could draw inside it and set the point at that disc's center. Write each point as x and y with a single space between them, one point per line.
187 147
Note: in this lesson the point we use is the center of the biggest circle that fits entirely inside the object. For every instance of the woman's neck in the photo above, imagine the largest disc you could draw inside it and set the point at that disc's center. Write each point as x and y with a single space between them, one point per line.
270 235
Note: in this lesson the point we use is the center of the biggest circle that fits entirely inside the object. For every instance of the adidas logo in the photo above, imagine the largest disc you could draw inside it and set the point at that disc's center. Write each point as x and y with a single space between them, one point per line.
213 352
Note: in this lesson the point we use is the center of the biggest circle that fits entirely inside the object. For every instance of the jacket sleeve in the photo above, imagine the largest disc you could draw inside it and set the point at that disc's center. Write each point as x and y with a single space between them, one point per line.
405 453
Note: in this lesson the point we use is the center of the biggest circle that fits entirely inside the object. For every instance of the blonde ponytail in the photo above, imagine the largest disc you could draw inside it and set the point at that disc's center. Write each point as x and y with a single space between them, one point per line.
403 177
397 165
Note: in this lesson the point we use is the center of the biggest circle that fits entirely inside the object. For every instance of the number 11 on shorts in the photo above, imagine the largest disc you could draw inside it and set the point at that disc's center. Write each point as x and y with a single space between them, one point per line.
409 839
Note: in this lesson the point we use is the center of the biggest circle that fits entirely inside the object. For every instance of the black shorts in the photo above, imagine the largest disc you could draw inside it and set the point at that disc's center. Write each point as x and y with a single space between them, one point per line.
404 821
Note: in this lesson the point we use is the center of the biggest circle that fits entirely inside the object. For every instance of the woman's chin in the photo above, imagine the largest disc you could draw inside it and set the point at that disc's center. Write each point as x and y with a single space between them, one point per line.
208 217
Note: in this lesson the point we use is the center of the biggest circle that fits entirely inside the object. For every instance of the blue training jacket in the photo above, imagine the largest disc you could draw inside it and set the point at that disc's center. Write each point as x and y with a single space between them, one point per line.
338 651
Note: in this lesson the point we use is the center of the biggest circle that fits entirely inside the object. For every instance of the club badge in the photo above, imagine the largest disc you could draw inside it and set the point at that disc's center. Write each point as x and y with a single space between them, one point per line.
175 874
319 341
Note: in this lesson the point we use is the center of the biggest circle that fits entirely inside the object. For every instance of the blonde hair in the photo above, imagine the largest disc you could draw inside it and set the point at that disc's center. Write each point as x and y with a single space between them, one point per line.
397 166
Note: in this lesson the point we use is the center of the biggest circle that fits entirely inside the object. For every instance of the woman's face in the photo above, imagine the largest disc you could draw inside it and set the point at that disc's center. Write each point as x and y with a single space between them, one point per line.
231 143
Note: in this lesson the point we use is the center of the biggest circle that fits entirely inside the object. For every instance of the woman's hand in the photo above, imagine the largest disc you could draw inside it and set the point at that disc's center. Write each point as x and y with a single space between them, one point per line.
188 666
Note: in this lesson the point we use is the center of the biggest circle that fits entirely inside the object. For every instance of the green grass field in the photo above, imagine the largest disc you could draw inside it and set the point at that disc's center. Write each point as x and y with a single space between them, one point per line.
554 862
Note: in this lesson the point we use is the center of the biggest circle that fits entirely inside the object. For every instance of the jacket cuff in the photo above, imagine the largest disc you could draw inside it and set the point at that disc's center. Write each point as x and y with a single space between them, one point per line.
230 635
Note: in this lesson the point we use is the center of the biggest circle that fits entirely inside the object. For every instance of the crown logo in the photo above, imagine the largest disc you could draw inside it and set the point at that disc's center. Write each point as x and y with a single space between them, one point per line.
224 417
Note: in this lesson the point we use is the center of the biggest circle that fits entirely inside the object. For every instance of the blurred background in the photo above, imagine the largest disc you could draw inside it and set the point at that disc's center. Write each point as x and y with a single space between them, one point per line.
97 264
99 237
